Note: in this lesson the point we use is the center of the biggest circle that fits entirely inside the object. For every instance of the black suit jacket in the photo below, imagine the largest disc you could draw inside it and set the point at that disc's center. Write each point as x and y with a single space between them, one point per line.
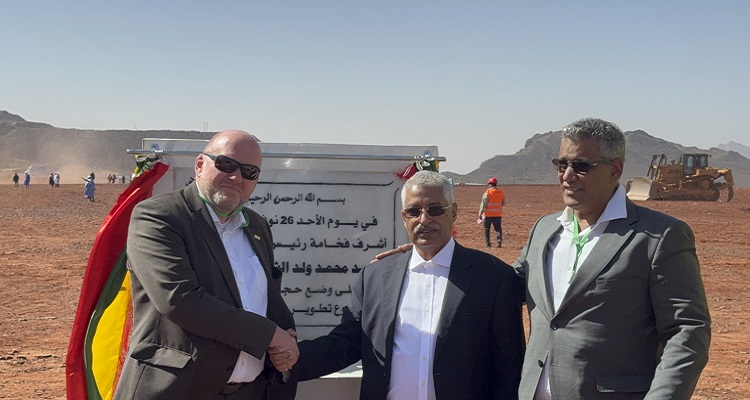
188 324
480 340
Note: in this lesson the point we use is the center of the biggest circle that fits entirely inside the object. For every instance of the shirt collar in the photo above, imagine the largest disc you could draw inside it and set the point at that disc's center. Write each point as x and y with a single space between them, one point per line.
615 209
234 222
442 258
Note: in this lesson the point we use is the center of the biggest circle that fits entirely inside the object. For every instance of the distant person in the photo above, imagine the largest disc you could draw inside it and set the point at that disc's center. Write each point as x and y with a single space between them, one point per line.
57 179
491 212
439 322
122 179
51 179
26 179
15 180
89 188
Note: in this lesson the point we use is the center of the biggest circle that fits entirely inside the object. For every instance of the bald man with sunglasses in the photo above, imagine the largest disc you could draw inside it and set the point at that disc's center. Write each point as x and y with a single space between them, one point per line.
207 307
440 322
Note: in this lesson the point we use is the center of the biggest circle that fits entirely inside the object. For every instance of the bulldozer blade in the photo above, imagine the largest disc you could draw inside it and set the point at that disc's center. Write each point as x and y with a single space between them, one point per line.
639 188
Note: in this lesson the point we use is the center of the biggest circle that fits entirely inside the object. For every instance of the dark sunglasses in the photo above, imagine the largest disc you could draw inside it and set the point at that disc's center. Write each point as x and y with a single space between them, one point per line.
579 167
229 165
432 211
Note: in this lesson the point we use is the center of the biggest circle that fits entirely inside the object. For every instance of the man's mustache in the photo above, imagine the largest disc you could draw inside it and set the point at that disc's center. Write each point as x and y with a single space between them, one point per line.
432 226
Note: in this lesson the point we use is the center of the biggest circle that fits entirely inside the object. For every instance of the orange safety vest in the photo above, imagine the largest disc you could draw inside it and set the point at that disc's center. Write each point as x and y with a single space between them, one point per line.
494 203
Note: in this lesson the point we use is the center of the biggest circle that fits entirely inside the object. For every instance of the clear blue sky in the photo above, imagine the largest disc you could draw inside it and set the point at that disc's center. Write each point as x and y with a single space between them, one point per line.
474 78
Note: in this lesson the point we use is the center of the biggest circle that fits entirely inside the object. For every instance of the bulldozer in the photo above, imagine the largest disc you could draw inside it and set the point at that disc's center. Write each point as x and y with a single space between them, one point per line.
689 179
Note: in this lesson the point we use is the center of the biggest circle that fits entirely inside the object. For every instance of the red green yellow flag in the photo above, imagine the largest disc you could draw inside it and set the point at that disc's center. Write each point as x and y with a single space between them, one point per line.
99 341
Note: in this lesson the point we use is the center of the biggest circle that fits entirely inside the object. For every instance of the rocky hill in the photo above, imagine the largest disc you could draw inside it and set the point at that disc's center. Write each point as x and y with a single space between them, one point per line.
734 146
532 164
43 148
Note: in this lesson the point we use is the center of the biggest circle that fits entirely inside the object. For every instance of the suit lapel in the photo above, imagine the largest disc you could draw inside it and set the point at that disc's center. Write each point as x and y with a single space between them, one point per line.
253 233
207 228
277 310
537 281
460 278
393 280
613 238
276 303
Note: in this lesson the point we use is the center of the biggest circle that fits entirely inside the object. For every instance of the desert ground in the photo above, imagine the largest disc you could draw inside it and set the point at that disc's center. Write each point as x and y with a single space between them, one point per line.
46 234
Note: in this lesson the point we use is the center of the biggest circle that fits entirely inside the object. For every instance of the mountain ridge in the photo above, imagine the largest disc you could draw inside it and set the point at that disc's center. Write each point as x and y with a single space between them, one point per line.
43 148
738 147
532 164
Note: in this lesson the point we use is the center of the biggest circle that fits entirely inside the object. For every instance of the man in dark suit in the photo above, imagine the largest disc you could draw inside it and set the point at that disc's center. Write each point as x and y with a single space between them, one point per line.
438 322
206 298
614 291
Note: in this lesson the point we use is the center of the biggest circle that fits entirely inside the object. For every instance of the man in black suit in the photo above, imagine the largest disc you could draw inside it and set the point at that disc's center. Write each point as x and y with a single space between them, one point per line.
438 322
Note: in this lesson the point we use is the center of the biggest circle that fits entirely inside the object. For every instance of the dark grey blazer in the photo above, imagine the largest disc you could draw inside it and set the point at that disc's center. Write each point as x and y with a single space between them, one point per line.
188 323
634 323
480 342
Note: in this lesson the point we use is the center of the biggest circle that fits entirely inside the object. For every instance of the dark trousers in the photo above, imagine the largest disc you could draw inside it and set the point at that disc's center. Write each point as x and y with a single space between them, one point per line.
495 222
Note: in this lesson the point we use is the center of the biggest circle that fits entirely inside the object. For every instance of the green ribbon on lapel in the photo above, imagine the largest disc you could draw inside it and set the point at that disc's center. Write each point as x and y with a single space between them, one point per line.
580 241
240 209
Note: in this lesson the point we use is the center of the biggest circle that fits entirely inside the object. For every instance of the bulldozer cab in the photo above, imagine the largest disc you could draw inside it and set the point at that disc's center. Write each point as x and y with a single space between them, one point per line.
692 162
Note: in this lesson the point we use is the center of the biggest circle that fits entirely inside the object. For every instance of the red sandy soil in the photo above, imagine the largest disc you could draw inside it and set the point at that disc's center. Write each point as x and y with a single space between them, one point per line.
46 235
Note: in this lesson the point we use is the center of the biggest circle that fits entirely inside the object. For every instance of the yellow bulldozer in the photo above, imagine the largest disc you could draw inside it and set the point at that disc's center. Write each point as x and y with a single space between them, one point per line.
689 179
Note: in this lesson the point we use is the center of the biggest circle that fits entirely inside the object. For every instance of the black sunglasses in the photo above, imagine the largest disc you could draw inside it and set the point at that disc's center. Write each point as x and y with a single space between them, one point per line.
229 165
432 211
579 167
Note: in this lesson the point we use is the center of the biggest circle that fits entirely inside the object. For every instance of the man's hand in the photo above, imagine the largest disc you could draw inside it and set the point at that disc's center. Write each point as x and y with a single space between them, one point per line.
400 249
283 350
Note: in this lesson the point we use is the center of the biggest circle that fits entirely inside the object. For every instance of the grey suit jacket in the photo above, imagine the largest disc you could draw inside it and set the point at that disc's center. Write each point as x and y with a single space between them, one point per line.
480 341
188 324
634 323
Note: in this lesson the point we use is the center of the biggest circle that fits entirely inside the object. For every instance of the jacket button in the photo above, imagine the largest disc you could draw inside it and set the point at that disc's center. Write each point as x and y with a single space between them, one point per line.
553 326
230 368
541 363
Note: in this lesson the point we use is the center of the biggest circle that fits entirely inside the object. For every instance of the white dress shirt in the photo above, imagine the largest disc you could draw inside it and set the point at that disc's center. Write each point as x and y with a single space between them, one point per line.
420 305
561 257
251 282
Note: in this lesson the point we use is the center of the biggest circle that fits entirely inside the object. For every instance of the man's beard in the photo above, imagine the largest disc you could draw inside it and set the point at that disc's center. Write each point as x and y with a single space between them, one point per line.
222 201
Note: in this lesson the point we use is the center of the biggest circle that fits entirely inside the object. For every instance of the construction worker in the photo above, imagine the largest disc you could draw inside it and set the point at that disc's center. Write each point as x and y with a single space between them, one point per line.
491 211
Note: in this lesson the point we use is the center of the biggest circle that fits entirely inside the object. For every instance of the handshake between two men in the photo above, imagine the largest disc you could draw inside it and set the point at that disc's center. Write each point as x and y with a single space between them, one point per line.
283 350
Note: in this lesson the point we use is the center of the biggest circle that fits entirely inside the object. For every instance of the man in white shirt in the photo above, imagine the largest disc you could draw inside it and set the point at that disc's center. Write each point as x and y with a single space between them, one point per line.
614 290
438 322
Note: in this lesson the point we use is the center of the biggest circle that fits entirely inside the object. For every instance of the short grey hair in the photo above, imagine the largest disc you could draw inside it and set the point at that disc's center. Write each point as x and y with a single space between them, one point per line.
611 139
429 179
